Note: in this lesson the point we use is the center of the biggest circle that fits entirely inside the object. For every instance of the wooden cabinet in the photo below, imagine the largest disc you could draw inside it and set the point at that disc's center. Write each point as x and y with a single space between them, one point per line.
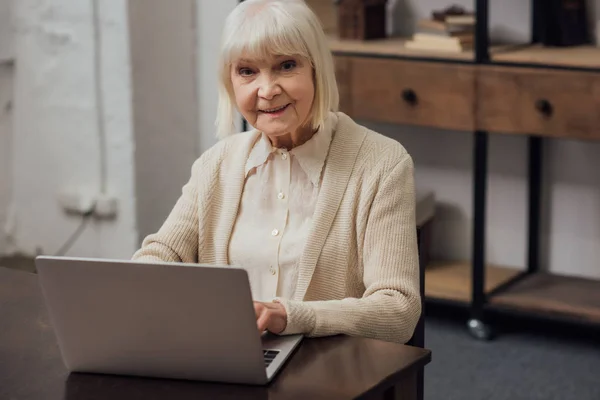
538 101
497 99
408 92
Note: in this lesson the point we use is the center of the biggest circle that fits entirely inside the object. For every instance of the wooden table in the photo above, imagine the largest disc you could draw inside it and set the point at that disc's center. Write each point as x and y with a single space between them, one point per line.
337 367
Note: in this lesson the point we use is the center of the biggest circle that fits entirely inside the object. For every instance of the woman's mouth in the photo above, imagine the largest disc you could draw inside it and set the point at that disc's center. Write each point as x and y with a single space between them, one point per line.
275 111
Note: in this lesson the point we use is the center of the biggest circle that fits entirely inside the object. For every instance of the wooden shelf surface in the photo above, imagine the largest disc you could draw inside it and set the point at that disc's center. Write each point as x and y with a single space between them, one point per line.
393 46
550 294
452 280
577 56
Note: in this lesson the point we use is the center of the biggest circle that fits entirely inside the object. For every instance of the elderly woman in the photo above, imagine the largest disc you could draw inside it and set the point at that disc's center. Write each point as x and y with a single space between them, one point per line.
320 211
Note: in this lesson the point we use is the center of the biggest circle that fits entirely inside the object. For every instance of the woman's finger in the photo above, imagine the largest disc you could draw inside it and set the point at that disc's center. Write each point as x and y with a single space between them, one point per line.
264 319
258 307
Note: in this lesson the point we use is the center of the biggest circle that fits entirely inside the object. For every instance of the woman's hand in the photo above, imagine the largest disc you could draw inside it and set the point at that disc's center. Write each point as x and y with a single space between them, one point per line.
270 316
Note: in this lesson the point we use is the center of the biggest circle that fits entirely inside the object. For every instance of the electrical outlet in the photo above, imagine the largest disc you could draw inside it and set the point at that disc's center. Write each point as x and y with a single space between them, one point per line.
82 202
106 206
77 202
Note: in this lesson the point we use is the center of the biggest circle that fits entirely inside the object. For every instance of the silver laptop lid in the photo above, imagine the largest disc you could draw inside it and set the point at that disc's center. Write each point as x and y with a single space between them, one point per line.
162 320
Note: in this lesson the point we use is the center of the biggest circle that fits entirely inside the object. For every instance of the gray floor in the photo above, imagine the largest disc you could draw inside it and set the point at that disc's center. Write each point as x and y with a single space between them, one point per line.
519 364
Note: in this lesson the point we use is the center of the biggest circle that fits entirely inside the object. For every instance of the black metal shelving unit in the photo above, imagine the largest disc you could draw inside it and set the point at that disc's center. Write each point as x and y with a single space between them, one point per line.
482 302
476 322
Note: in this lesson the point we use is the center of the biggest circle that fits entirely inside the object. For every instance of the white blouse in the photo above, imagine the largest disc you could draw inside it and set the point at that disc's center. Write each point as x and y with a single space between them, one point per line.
276 209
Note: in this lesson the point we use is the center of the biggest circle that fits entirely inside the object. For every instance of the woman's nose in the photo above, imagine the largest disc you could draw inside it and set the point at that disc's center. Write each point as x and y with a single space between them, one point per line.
268 88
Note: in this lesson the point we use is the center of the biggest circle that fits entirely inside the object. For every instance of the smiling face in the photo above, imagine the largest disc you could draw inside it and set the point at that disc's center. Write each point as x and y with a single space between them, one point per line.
275 95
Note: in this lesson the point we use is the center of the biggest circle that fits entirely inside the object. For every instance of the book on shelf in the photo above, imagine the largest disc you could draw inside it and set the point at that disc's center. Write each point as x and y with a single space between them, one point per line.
454 15
444 28
451 47
442 43
460 19
454 40
447 30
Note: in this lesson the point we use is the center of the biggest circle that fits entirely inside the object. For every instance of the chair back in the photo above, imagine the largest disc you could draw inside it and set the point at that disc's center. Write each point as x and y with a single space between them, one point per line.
418 337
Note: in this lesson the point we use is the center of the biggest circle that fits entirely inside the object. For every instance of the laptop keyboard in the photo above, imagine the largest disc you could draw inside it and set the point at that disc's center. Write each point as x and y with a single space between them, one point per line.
269 356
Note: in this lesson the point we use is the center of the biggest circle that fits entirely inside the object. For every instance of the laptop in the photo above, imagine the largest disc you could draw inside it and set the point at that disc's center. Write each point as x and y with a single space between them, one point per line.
168 320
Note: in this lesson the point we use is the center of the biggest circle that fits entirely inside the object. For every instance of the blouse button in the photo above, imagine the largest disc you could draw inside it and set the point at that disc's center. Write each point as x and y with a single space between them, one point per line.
275 232
284 156
273 271
281 196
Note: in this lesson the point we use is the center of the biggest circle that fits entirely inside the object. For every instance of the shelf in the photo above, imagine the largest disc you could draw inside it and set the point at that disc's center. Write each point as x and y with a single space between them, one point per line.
393 47
560 296
452 280
576 57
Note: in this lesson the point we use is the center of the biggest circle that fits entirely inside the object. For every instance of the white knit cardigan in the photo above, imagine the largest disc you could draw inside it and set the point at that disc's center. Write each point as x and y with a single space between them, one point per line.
358 274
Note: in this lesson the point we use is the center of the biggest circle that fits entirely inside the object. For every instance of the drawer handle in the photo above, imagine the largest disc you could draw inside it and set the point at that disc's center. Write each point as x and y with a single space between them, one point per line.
409 96
544 107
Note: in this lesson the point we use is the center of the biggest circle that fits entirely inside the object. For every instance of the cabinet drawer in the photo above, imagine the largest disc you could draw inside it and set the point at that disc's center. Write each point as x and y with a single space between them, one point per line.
411 92
539 102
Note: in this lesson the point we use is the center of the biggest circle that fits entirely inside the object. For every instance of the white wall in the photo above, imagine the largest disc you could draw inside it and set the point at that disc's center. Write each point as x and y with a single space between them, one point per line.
6 97
56 141
165 104
211 16
6 30
6 93
58 148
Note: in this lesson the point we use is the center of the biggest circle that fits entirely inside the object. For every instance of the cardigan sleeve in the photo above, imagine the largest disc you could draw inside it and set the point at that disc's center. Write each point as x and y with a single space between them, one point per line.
177 238
391 305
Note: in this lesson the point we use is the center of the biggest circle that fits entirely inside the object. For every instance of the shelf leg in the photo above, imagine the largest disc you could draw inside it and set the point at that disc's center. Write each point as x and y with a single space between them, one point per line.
537 18
480 156
535 203
482 54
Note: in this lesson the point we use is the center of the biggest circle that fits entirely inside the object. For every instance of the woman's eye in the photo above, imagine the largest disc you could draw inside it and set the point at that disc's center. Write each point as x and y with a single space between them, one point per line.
288 65
245 72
